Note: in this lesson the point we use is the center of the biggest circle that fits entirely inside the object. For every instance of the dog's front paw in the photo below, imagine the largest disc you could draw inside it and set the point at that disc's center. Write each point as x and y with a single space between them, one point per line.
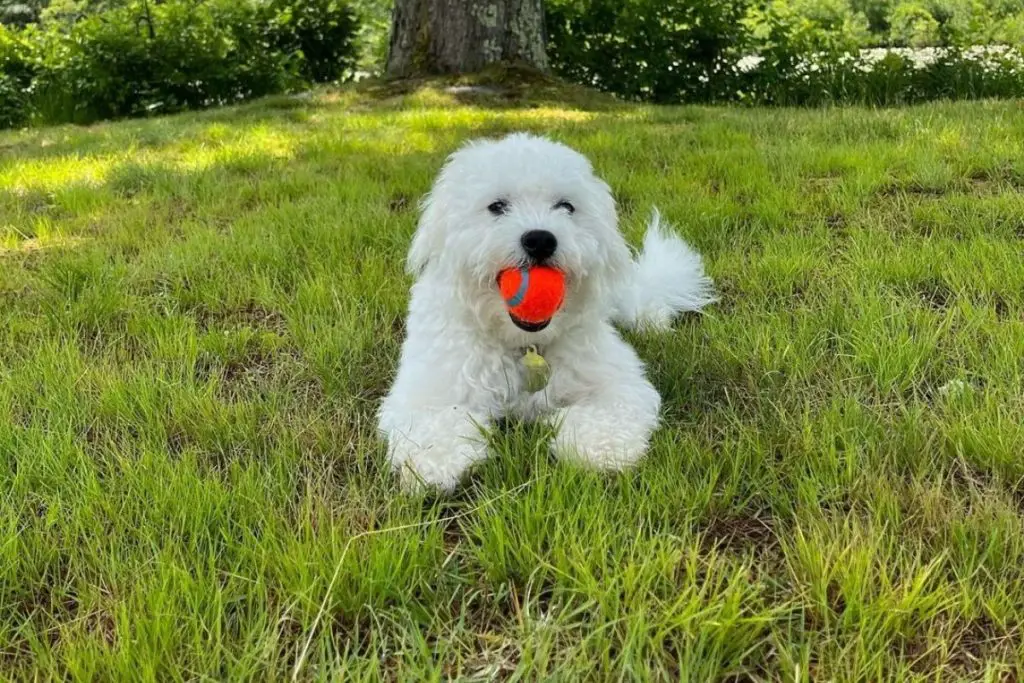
437 464
611 437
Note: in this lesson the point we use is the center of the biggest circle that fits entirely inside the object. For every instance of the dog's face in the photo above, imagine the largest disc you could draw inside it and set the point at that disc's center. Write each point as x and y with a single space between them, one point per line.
522 200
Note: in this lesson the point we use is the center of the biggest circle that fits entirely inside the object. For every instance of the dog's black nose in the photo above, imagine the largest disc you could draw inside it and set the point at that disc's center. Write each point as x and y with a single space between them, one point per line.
539 245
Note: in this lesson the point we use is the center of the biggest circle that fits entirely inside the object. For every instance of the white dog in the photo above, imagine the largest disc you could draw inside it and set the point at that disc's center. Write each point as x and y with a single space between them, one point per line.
518 201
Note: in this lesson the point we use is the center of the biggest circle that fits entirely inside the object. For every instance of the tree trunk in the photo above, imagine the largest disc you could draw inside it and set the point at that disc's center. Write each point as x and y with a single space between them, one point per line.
463 36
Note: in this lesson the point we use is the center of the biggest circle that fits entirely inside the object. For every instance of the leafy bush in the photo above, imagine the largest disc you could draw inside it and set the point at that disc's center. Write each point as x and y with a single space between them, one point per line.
374 17
323 31
659 50
142 57
890 77
92 59
912 24
127 61
785 37
793 52
17 67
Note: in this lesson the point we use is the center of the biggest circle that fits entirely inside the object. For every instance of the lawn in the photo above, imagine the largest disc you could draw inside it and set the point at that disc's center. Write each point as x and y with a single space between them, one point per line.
198 315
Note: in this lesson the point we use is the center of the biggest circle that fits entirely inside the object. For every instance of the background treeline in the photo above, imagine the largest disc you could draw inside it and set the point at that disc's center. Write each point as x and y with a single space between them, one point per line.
83 60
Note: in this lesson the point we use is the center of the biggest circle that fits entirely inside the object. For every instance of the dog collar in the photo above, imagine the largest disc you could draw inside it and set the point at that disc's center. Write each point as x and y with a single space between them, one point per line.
536 368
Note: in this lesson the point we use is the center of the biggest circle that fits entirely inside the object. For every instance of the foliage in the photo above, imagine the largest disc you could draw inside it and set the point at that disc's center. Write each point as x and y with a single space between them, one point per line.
91 59
322 31
17 69
647 49
912 24
372 40
917 23
889 77
140 57
172 56
780 51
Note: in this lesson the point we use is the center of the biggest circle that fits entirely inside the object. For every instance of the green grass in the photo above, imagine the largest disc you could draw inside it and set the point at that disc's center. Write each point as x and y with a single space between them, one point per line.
199 313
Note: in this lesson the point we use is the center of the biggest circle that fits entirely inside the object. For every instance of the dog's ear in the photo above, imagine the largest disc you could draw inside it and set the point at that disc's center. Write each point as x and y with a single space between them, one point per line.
619 263
435 210
617 259
428 240
613 279
618 268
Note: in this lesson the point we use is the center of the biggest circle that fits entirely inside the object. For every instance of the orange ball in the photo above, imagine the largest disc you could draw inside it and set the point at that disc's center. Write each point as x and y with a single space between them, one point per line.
533 295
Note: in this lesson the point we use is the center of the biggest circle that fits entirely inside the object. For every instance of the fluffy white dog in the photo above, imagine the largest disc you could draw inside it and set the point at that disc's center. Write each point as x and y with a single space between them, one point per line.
519 201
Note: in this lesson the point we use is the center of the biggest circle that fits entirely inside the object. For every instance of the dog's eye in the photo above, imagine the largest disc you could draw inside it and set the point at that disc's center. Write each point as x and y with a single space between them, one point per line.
498 208
567 205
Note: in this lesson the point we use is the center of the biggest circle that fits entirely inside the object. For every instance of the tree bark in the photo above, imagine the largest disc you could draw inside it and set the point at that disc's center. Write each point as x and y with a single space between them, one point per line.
463 36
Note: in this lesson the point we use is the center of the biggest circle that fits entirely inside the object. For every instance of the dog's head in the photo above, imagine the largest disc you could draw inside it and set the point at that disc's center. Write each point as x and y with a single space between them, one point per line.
521 200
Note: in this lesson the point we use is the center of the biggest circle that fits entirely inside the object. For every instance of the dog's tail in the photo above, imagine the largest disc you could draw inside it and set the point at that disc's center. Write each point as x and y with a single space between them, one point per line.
668 279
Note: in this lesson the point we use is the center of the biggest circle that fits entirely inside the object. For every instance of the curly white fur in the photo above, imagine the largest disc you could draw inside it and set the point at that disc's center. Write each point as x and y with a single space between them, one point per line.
461 366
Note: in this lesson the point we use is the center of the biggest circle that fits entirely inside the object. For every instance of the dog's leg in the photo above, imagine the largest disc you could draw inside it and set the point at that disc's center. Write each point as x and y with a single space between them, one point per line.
610 424
437 412
433 447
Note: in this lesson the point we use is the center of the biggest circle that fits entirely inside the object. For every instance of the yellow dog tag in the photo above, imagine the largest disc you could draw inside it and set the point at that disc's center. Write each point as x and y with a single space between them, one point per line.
538 372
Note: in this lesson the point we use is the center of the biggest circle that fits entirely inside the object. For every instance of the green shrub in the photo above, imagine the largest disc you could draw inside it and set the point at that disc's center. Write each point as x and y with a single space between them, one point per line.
93 59
912 24
17 68
787 52
141 57
659 50
785 38
1011 29
876 13
890 77
323 31
144 58
374 17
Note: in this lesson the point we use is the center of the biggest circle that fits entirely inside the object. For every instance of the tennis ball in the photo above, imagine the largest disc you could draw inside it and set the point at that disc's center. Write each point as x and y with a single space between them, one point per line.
533 295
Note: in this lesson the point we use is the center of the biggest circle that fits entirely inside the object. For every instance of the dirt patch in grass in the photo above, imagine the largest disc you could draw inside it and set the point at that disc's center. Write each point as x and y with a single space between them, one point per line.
914 188
400 203
251 314
965 651
836 223
997 178
934 294
739 534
